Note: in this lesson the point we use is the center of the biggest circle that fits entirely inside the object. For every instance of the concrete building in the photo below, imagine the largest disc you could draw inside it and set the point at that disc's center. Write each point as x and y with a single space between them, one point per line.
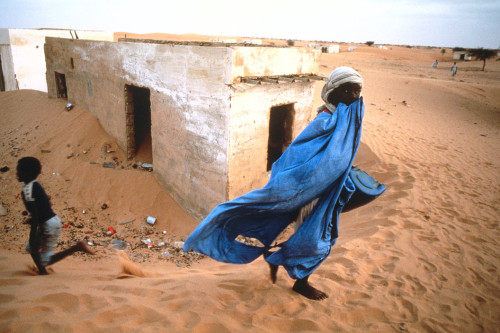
252 41
212 117
330 48
22 57
461 55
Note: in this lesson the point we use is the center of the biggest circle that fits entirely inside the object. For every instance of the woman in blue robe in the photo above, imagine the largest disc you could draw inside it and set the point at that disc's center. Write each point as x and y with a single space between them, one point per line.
313 172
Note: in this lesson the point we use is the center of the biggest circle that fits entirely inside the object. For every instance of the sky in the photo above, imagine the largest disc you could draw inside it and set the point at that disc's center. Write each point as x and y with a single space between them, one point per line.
441 23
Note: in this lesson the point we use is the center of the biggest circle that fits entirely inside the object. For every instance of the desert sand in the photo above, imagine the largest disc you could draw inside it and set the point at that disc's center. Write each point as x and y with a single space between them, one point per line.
423 257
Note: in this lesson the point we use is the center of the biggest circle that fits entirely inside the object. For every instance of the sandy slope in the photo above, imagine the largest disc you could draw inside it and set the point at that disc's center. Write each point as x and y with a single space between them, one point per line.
422 257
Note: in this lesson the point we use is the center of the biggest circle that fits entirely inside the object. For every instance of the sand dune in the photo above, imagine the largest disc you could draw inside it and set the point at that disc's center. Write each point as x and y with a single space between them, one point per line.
423 257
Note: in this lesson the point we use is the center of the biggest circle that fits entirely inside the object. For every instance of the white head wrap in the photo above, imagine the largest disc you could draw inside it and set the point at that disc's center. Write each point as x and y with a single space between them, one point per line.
338 77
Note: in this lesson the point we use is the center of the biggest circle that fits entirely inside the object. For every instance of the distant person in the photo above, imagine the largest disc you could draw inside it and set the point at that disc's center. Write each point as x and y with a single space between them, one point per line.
45 224
434 64
454 69
313 171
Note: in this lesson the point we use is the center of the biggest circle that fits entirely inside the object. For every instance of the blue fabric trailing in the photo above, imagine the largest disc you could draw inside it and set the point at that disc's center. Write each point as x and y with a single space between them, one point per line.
316 164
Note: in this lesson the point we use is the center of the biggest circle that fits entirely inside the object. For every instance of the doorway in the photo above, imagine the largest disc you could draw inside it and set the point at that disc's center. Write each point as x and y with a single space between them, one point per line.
2 81
62 92
138 111
280 132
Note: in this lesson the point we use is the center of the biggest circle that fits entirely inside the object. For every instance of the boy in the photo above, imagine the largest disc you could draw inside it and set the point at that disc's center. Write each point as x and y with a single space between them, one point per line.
45 224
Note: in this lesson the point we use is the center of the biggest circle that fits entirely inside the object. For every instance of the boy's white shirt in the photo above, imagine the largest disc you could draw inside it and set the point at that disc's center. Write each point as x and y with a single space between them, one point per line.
28 191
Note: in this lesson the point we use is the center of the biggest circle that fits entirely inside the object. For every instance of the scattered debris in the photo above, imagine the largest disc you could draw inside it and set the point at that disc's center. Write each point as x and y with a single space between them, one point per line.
104 150
148 242
151 220
5 169
3 211
146 166
104 206
110 231
122 223
108 165
45 151
178 245
119 245
69 106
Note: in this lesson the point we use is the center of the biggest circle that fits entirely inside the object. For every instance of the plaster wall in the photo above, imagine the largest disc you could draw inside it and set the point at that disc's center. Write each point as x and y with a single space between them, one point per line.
189 106
28 53
9 77
268 61
249 129
209 139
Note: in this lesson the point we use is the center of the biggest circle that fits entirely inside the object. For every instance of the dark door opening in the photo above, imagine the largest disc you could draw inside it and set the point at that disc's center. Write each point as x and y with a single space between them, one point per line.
2 82
62 92
280 132
138 109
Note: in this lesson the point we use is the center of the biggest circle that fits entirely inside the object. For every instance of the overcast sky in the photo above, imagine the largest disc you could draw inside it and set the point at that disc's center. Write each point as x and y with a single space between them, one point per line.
465 23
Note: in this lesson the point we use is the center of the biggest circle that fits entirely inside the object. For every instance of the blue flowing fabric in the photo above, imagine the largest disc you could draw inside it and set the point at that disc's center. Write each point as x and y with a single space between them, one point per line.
315 165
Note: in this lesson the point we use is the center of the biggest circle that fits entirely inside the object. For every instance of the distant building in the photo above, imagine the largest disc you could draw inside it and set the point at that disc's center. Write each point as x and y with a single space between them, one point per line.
313 45
22 55
224 40
213 118
461 55
330 48
253 41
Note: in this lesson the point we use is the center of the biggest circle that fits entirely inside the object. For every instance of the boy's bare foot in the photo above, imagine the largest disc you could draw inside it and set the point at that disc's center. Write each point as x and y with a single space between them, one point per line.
303 287
82 246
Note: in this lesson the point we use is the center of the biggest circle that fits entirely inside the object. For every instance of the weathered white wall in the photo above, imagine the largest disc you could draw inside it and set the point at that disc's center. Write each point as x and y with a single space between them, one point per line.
29 57
209 141
249 131
190 106
7 67
268 61
7 63
332 48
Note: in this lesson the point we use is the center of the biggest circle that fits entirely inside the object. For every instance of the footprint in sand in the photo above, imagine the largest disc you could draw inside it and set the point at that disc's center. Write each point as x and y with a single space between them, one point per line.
416 287
429 267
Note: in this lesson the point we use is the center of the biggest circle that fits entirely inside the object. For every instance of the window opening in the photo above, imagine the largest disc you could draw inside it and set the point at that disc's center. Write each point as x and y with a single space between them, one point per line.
62 92
280 132
2 82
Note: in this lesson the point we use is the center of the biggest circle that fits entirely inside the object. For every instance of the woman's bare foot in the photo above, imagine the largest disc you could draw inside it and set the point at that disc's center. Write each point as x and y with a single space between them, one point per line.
303 287
273 268
274 272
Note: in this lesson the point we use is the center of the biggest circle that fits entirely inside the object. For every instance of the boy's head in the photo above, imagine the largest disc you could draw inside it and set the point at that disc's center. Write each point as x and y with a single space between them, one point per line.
28 168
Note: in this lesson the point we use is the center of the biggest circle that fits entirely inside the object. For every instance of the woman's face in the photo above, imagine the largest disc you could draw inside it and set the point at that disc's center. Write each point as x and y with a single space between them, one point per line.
346 93
349 92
